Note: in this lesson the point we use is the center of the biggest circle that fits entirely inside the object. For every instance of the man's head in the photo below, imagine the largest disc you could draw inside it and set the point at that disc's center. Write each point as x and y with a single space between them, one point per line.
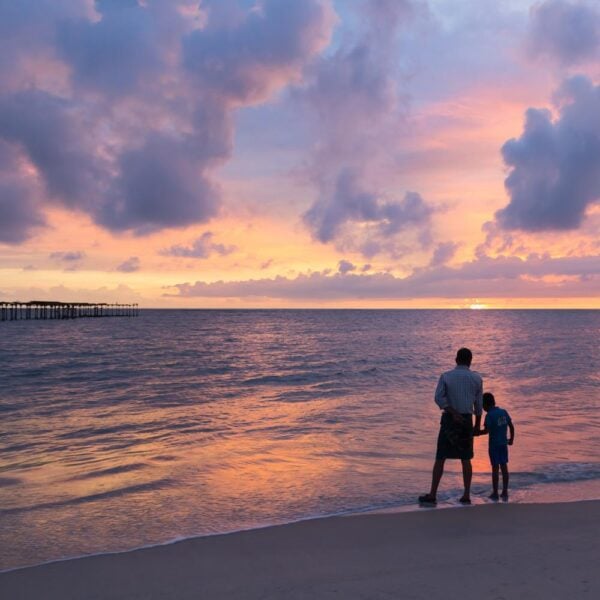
464 357
488 401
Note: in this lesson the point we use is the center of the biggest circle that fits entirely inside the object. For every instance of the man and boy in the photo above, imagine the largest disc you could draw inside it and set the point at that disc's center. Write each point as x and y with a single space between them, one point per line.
459 394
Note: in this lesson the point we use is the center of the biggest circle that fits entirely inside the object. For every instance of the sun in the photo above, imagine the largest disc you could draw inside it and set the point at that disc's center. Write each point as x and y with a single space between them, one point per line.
477 306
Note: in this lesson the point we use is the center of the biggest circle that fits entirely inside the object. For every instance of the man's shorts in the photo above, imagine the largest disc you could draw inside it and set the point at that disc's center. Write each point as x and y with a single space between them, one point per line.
498 455
455 440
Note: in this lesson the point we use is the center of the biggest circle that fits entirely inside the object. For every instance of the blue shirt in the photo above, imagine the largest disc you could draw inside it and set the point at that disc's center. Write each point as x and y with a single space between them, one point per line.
496 422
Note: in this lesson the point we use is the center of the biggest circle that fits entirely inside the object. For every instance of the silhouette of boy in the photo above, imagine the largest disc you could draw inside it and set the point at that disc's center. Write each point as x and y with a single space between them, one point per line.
496 423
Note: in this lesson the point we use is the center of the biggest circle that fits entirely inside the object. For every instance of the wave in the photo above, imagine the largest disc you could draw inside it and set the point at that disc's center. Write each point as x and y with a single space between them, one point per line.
110 471
558 473
123 491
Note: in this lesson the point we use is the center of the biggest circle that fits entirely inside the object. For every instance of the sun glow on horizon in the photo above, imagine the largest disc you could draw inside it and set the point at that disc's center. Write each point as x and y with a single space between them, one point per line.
478 306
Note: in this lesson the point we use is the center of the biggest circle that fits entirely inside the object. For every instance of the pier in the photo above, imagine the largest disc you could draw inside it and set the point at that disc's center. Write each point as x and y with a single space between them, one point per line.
42 309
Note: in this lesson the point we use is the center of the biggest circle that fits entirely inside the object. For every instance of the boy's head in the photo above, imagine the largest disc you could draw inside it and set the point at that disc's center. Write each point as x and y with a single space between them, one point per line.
464 357
488 401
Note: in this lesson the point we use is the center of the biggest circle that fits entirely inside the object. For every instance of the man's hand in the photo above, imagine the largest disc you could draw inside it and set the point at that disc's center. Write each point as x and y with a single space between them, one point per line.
476 432
510 442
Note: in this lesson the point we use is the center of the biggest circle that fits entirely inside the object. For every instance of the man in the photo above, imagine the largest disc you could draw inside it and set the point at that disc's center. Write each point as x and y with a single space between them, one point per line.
458 394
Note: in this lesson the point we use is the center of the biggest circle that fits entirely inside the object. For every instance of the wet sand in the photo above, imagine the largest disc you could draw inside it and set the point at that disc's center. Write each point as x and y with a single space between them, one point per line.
504 551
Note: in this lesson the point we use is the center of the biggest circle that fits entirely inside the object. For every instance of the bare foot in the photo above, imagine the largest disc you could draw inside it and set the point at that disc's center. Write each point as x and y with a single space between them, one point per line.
494 496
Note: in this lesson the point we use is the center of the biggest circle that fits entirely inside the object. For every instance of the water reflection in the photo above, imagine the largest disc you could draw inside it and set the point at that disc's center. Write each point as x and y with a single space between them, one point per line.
119 434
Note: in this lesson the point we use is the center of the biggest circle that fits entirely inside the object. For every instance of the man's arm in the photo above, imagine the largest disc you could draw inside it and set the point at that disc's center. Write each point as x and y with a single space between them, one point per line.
511 439
441 399
485 429
440 394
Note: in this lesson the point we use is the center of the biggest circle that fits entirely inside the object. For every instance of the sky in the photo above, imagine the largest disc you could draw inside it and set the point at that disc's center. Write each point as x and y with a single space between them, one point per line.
301 153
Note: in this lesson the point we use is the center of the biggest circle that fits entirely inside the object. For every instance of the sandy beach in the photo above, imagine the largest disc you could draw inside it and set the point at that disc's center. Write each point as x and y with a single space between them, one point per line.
493 551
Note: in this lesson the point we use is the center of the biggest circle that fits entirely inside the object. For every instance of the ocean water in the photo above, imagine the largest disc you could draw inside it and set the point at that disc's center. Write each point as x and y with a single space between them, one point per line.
120 433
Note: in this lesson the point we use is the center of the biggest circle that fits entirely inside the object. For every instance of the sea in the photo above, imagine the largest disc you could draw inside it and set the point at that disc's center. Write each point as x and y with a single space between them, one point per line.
120 433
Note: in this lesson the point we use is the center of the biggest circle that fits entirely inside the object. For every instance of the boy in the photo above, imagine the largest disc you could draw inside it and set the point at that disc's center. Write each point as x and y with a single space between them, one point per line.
497 421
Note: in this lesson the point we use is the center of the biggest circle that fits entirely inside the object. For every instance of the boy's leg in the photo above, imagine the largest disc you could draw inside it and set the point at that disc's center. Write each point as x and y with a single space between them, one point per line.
504 468
495 469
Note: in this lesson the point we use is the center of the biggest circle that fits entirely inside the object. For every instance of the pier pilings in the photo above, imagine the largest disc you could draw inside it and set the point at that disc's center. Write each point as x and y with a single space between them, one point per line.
43 309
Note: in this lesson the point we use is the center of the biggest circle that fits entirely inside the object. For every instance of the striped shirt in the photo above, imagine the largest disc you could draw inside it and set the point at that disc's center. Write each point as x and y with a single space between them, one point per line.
461 389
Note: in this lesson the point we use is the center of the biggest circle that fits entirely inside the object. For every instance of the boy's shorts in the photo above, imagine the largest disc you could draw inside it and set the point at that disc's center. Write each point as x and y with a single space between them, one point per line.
498 455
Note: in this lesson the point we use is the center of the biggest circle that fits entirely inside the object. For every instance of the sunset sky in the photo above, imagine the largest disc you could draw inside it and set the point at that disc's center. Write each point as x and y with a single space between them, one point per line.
301 153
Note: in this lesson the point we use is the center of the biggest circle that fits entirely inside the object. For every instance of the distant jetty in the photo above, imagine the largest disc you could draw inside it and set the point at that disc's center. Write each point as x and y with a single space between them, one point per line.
44 309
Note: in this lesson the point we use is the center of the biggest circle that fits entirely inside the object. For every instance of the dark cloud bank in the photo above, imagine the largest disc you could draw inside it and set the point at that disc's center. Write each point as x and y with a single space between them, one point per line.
483 277
146 113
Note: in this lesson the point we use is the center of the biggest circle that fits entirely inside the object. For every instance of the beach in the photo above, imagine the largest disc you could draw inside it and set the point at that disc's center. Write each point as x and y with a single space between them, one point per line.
501 551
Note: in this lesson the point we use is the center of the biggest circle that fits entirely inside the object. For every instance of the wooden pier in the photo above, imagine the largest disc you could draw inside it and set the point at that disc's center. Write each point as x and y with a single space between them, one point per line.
42 309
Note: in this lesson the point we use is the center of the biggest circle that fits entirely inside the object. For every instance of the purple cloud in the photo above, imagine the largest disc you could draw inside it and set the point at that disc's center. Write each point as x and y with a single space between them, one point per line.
131 265
160 184
140 109
71 256
242 54
555 164
202 247
350 203
483 277
345 266
20 213
568 32
49 130
443 253
354 98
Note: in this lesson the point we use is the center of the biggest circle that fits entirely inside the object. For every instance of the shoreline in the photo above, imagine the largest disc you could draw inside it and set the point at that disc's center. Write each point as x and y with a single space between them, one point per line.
389 549
393 509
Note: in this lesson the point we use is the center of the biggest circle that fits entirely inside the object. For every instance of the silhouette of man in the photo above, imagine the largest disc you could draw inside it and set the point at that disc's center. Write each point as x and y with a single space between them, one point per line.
459 395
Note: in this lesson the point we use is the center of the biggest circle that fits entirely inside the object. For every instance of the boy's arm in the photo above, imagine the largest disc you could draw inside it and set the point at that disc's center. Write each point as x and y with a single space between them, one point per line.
485 429
511 439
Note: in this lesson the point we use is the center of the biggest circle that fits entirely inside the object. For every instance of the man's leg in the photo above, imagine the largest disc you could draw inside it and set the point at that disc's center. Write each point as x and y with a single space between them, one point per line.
467 470
504 468
436 476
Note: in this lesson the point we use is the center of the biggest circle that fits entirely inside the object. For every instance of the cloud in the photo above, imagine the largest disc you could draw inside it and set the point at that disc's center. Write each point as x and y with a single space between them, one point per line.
49 131
443 253
160 184
202 247
349 202
119 50
555 164
123 110
20 213
483 277
131 265
345 266
71 256
568 32
61 293
244 55
353 96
